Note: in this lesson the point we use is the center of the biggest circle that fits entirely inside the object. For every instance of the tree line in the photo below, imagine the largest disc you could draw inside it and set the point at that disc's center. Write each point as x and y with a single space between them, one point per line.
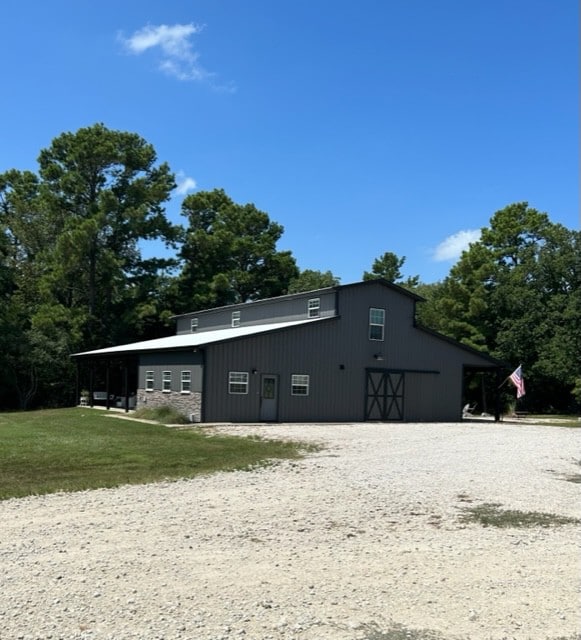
73 277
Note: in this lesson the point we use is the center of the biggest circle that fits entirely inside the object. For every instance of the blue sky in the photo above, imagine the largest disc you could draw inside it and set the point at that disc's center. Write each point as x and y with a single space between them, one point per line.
361 127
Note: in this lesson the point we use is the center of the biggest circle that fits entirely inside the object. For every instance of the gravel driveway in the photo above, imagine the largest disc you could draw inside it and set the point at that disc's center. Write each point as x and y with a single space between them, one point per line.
365 531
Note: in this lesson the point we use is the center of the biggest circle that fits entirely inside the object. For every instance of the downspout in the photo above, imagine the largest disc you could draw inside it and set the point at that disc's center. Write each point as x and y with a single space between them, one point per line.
203 403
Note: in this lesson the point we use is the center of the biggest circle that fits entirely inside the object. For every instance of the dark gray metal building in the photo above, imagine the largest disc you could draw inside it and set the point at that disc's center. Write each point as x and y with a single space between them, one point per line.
346 353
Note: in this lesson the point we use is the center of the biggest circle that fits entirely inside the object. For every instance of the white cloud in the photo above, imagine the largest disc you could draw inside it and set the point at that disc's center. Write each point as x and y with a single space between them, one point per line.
452 247
178 58
184 184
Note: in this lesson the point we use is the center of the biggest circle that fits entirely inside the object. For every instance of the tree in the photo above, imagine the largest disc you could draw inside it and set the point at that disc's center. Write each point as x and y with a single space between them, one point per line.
388 266
229 254
71 269
104 194
309 280
516 294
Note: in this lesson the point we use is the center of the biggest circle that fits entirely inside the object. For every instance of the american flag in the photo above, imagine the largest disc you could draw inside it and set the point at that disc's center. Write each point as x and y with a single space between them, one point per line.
518 381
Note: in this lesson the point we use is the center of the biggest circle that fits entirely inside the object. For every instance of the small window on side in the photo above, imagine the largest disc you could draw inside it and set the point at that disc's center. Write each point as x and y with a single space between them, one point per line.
186 386
235 318
149 380
194 325
299 384
166 381
238 382
314 307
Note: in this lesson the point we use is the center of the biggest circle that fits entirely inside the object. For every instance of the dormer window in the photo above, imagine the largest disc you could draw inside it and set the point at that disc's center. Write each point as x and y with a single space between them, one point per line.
314 307
194 325
235 318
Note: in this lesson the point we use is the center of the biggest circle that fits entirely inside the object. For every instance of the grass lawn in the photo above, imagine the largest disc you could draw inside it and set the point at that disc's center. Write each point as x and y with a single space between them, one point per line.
77 449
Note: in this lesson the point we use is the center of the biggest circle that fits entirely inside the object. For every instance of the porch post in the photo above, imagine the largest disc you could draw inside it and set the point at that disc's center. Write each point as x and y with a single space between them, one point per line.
91 383
108 401
126 383
497 396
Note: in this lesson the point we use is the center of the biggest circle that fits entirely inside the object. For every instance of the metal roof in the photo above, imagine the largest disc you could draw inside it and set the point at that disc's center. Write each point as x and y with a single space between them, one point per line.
196 339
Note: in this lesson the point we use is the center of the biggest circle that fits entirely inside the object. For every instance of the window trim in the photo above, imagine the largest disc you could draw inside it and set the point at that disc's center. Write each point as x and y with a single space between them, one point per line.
373 325
300 381
194 324
314 307
235 319
165 381
150 378
187 380
242 382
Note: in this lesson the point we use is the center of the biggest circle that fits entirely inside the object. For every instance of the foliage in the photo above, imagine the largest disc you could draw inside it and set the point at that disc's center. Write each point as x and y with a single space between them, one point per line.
77 449
309 280
517 295
164 415
388 266
229 254
71 270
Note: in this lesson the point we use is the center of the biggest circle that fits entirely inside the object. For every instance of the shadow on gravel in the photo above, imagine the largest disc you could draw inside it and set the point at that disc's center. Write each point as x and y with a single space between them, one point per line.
396 631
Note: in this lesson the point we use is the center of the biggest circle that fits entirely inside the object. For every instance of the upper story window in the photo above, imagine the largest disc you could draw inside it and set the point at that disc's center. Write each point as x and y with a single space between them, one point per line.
186 382
166 381
238 382
314 307
193 325
299 384
376 323
149 380
235 318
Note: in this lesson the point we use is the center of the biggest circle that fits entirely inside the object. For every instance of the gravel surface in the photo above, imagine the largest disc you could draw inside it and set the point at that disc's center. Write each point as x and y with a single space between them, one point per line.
366 530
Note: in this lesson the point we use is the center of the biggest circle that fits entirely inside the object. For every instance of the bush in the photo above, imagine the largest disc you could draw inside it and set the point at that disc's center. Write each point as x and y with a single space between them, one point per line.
164 414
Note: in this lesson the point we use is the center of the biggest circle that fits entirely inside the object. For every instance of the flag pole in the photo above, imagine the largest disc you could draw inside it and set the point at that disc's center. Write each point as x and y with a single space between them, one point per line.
503 383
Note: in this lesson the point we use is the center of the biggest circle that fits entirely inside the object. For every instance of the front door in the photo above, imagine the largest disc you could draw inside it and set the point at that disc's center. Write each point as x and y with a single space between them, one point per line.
384 395
269 397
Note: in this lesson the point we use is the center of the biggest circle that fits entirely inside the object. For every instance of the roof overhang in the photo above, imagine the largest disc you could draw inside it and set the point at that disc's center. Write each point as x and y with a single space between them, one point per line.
193 340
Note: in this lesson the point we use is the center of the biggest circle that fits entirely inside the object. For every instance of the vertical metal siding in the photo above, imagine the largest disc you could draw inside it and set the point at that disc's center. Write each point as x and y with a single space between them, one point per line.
335 354
260 312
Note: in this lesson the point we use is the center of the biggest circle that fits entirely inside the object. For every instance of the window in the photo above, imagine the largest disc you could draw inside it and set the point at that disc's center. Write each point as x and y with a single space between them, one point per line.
313 307
149 380
235 318
376 323
166 381
186 382
238 382
194 325
299 385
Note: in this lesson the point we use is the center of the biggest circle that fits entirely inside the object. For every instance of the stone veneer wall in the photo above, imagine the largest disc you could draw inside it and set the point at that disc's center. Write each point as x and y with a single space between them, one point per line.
190 404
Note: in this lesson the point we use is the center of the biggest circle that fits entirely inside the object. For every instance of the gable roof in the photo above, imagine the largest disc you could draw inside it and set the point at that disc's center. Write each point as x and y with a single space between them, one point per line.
304 294
193 340
460 345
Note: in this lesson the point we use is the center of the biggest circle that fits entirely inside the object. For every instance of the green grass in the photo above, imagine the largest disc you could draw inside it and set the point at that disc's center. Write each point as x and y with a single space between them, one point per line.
554 420
490 514
77 449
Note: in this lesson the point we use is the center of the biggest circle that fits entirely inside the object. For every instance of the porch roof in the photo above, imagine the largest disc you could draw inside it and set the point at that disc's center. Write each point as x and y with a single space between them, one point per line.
195 339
